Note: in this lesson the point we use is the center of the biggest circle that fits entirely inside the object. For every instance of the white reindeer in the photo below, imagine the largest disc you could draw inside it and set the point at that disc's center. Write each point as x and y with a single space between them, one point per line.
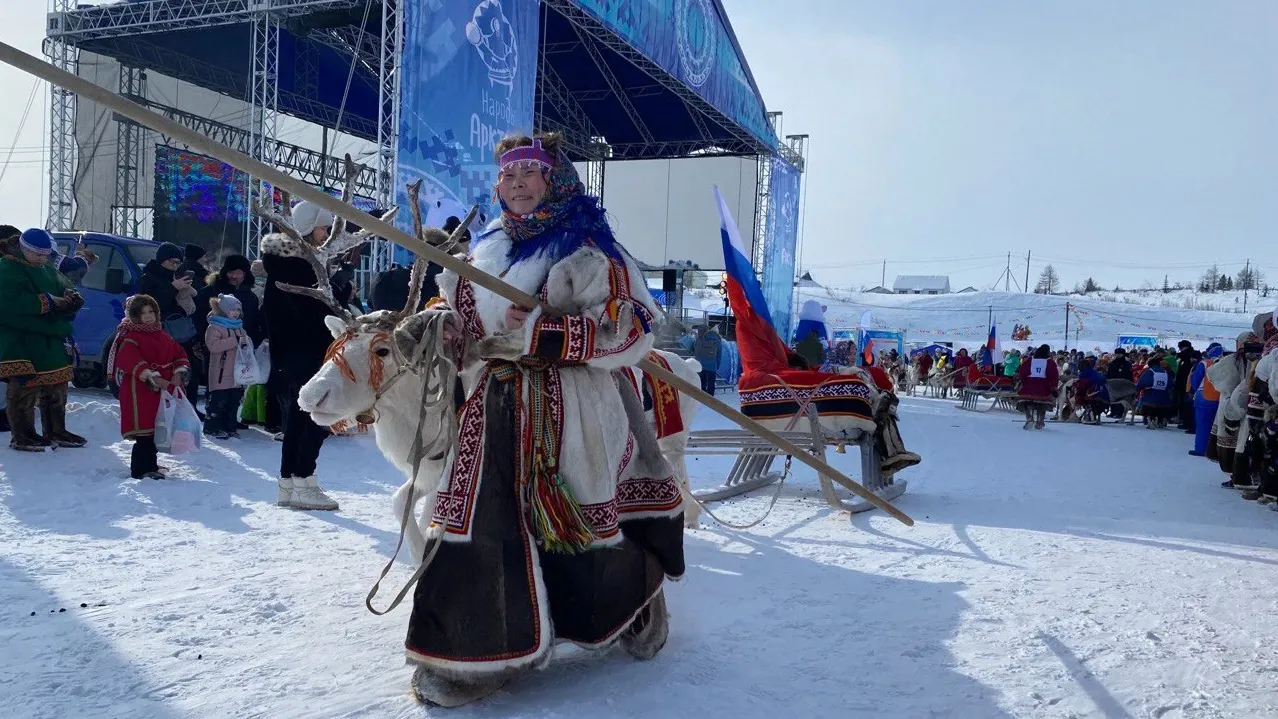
675 446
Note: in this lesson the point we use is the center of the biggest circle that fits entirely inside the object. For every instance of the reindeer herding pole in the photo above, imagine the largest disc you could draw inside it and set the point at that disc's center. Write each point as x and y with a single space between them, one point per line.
255 168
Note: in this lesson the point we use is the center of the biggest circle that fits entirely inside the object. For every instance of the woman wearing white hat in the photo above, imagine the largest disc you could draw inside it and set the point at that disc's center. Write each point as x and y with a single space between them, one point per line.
299 341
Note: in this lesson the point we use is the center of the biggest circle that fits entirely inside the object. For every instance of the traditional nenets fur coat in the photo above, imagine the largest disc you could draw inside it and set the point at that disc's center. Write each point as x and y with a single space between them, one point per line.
1244 396
558 516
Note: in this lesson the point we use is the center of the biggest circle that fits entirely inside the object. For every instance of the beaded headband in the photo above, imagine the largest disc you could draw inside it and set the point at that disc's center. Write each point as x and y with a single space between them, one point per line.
526 155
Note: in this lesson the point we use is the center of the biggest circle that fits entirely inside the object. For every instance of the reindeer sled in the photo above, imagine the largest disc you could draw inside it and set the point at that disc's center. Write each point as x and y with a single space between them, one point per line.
979 387
813 409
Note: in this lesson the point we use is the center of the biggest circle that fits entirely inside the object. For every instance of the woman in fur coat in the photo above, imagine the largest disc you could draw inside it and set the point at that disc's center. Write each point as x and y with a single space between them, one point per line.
299 341
144 361
556 492
1040 380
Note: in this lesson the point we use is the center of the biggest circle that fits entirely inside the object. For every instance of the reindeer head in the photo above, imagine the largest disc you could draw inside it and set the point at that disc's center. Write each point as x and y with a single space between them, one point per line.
372 351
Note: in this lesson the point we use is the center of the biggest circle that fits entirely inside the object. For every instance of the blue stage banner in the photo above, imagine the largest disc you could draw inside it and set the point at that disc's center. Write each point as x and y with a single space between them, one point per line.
689 40
779 241
470 72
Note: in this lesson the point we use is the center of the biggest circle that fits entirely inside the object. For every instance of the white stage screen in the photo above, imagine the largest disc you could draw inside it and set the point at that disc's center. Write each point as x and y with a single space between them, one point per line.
663 211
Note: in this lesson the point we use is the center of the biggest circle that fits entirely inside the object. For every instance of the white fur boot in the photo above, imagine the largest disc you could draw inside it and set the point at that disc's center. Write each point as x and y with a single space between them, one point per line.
286 492
308 495
450 692
648 633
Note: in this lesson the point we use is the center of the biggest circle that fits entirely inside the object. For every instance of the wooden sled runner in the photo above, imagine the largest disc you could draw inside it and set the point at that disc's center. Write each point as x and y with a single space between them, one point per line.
1002 390
753 468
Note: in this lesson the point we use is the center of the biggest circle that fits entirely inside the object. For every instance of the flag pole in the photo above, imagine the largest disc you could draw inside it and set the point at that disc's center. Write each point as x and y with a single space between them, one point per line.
32 65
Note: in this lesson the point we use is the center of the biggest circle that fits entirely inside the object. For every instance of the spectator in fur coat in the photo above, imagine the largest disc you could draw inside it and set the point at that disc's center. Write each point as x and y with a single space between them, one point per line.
1040 380
34 326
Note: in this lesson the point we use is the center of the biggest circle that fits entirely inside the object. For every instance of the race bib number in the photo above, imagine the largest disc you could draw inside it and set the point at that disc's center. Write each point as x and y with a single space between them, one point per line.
1160 380
1038 368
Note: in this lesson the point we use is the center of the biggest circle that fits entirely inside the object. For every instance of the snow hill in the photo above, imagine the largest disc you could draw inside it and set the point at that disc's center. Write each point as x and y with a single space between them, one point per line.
1093 323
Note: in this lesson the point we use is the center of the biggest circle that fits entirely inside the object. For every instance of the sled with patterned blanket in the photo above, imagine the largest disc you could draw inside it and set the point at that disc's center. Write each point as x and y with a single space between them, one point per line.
1002 390
813 409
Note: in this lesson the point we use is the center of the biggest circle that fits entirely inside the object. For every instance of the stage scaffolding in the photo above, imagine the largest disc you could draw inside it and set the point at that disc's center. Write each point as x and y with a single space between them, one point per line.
376 46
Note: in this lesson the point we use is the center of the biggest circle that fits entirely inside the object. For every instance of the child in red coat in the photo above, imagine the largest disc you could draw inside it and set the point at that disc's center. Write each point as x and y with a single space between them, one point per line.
144 361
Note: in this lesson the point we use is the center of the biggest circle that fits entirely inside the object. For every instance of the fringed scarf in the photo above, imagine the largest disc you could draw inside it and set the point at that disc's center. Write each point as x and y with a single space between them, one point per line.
126 326
566 218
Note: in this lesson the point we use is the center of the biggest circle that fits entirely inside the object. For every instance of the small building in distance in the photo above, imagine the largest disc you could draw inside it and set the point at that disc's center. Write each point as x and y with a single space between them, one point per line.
880 290
921 285
969 288
807 281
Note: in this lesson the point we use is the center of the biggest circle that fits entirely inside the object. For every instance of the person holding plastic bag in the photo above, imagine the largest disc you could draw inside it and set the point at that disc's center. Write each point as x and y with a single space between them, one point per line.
232 366
144 361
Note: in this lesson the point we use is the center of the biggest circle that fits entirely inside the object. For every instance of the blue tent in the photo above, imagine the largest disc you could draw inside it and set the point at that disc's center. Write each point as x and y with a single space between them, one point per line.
931 349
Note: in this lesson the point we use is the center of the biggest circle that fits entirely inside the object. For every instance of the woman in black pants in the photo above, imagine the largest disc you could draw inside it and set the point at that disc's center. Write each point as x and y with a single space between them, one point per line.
299 341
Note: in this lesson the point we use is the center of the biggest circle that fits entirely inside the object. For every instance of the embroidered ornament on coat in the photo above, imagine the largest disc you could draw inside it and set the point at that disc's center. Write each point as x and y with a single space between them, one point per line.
586 469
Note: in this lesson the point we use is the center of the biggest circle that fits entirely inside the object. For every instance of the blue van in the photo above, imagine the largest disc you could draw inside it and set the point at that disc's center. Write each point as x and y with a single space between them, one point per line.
108 283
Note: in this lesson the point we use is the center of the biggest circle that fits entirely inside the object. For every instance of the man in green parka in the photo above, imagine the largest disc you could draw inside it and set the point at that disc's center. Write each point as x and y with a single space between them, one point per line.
34 324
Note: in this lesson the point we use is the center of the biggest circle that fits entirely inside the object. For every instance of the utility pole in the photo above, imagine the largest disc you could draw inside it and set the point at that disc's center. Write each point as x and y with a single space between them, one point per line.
883 277
1027 259
1246 285
1007 279
1066 325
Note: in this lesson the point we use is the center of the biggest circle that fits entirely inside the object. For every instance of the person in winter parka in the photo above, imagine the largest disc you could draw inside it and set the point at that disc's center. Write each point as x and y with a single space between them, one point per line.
1092 390
144 361
233 278
36 307
1206 398
1155 387
1040 380
225 339
299 342
174 292
708 350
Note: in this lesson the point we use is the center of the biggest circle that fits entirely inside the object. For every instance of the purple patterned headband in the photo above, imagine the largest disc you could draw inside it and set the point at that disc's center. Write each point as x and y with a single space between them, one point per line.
527 154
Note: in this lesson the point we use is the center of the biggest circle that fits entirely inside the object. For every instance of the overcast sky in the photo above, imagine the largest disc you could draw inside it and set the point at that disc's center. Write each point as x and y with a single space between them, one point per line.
1120 140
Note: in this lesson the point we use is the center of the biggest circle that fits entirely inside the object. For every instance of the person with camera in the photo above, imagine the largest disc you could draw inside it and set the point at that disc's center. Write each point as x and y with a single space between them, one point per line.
34 325
173 289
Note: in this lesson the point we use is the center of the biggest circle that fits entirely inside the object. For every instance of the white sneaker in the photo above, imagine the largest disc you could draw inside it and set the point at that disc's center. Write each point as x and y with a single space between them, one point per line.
286 492
308 495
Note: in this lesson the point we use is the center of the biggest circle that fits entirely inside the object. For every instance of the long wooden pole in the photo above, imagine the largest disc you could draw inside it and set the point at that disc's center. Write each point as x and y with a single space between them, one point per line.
56 76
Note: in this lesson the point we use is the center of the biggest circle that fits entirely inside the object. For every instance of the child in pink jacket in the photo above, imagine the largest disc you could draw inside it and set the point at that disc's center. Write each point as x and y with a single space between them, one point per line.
225 339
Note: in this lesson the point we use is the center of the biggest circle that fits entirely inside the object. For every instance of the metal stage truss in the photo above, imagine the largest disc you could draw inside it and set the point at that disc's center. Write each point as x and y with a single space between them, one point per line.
335 63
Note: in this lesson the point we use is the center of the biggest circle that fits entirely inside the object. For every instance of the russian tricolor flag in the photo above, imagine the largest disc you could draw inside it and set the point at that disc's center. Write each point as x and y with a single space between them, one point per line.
760 347
991 345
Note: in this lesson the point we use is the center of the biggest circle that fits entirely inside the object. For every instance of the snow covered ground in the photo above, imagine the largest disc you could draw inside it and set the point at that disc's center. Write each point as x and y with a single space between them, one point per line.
1075 572
1095 322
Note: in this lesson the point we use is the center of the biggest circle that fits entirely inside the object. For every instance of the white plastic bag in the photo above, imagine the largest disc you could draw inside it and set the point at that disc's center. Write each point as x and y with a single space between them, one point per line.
187 430
246 373
263 357
164 416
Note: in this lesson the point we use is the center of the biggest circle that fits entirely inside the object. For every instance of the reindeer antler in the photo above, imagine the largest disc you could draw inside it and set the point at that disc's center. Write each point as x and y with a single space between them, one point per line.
432 236
338 241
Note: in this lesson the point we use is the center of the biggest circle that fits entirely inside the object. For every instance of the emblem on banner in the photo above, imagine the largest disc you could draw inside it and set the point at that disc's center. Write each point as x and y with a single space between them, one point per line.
494 39
696 37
